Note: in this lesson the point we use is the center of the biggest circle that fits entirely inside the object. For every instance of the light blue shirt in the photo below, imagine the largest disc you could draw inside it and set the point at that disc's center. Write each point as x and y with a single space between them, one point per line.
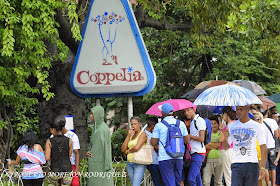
155 157
160 132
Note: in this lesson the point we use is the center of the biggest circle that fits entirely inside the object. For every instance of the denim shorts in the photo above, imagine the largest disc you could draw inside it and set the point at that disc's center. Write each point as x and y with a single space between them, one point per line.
270 160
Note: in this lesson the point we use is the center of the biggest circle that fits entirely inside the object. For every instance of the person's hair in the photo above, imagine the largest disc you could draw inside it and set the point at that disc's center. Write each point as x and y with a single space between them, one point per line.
219 118
183 118
151 121
135 118
272 108
261 117
267 111
230 112
29 139
215 118
59 123
60 118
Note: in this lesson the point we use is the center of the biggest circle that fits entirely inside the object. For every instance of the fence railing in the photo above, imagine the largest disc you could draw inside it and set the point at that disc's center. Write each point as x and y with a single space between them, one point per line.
120 178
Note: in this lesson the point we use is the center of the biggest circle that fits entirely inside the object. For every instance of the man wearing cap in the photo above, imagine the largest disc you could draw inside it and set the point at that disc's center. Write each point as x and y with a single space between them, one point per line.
197 130
244 134
170 169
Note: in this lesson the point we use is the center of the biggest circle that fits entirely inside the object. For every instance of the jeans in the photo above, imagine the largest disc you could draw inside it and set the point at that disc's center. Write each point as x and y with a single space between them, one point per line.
135 173
155 173
244 174
171 171
194 177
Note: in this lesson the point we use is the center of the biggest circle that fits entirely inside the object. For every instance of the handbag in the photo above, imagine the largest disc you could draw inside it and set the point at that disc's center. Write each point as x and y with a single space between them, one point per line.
144 155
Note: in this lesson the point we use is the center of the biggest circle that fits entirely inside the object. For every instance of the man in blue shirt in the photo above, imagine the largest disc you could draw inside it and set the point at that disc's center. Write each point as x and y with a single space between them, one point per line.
170 168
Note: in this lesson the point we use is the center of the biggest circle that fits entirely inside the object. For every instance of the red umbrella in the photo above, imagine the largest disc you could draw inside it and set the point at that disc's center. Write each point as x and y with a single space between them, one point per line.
267 103
178 104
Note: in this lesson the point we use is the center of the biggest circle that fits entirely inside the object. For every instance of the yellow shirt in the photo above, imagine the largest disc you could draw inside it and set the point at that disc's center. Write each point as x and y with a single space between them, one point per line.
259 151
130 145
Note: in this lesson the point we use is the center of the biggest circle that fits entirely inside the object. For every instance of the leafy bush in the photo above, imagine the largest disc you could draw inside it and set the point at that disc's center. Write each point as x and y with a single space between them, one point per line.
117 139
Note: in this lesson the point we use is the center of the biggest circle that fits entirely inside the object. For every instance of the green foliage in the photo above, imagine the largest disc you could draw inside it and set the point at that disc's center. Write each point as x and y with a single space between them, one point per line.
83 170
27 27
117 140
237 59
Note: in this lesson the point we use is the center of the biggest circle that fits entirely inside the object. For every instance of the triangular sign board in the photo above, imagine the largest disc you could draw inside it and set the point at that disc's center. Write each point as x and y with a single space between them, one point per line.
112 59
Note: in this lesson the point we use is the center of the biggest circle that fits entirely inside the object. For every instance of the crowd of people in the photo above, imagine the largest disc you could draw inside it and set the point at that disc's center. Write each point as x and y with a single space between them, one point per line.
62 151
238 147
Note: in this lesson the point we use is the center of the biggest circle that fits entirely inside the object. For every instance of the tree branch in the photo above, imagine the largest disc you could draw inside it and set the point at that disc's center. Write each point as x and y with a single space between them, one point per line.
144 21
148 22
65 33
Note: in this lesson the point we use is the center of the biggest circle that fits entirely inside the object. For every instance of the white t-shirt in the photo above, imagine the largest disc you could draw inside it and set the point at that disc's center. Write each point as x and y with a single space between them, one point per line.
76 144
270 142
244 137
197 146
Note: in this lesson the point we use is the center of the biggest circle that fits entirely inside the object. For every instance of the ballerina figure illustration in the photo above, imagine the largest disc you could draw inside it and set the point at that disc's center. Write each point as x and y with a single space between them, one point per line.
107 25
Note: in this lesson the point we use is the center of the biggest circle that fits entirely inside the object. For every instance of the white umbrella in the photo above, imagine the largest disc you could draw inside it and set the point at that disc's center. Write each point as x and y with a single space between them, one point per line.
227 95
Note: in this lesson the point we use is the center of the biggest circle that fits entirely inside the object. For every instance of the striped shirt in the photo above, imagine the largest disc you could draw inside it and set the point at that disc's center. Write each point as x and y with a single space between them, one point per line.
34 169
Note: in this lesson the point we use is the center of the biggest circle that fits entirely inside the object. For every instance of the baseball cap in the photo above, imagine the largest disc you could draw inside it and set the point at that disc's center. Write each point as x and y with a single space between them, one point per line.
166 108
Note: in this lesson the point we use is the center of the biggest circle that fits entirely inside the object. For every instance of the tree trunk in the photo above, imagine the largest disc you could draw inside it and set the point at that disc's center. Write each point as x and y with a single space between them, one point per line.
65 102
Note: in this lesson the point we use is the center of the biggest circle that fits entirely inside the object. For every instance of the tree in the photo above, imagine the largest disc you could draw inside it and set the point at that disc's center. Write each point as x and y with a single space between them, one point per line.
188 41
30 44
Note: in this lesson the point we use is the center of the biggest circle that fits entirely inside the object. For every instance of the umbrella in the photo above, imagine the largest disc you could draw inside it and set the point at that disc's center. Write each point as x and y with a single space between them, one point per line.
254 87
227 95
178 104
275 98
266 103
194 93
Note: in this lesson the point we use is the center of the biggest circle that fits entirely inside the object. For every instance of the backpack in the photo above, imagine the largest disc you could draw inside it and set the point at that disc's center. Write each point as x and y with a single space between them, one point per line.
174 147
207 133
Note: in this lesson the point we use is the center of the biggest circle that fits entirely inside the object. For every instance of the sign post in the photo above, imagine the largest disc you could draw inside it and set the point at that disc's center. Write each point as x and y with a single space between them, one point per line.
112 59
129 110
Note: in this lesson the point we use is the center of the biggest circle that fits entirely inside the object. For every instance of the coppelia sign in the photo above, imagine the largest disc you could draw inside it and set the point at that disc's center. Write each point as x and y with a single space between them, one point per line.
112 59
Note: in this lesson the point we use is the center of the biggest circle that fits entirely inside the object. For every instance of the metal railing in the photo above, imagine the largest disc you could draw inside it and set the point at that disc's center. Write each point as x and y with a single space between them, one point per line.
8 178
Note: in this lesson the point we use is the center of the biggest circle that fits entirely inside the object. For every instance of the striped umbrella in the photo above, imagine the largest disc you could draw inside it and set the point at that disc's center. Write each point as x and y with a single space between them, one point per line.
227 95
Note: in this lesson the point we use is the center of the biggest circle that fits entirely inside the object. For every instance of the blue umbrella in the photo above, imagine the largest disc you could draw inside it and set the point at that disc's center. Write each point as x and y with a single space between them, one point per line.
227 95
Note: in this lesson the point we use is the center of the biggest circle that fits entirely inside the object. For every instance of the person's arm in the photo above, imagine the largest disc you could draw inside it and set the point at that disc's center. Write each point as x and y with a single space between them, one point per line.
142 139
154 142
276 133
77 159
48 150
199 138
186 139
156 148
225 140
277 158
213 145
126 141
15 162
70 147
263 160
